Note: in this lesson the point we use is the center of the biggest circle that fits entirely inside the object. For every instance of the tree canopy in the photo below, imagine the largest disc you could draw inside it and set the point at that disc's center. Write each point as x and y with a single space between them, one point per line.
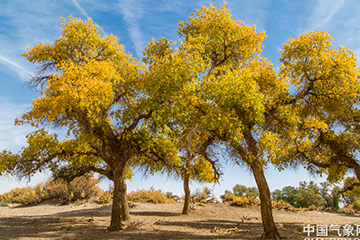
89 85
325 104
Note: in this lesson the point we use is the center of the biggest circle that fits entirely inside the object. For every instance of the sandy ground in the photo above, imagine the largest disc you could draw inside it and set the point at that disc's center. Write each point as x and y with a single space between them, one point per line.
89 220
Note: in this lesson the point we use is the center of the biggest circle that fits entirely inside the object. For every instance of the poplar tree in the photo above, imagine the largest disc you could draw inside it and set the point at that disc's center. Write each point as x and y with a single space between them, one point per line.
97 92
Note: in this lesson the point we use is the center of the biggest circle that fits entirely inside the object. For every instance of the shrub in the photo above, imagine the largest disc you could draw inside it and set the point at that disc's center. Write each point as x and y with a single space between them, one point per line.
243 191
349 209
356 203
241 201
203 196
152 195
228 196
282 205
105 197
170 195
245 201
79 188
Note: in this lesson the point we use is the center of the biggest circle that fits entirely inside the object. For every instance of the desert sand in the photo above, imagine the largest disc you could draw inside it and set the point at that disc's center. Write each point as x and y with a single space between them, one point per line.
89 220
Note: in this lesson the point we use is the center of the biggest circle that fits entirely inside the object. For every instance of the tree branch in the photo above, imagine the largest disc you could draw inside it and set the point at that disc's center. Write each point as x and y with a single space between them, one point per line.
350 187
137 120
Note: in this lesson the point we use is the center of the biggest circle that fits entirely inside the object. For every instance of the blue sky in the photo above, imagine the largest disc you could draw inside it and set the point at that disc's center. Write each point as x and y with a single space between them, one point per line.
26 23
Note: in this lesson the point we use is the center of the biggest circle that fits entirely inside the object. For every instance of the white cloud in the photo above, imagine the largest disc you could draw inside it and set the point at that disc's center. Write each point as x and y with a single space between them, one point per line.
324 12
80 8
132 11
12 137
21 71
26 25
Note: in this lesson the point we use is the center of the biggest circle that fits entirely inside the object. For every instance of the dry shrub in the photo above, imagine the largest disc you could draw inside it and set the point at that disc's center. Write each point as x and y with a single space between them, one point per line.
80 188
152 195
202 196
241 201
245 201
172 196
312 208
26 195
349 209
303 209
282 205
229 197
14 195
105 197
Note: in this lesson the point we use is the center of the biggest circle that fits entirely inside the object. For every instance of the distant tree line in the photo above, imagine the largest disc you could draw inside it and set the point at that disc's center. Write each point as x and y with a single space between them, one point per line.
322 195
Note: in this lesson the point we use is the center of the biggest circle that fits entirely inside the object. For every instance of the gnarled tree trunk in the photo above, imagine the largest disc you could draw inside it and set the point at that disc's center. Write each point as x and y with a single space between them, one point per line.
270 231
187 196
120 208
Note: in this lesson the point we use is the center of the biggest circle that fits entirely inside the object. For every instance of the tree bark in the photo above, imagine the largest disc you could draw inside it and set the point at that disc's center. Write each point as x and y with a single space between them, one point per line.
125 214
187 196
270 231
120 208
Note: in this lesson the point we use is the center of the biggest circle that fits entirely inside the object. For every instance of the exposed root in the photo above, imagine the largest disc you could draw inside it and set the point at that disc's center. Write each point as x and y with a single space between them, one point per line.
115 227
271 235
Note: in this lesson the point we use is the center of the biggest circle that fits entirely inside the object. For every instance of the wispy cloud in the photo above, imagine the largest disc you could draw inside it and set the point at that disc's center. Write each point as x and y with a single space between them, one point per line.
36 23
324 12
23 72
132 11
82 10
13 138
9 111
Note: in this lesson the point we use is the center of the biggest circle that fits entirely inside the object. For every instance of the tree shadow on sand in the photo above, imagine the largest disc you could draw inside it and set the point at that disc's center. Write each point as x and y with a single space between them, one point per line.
63 226
67 228
91 223
156 214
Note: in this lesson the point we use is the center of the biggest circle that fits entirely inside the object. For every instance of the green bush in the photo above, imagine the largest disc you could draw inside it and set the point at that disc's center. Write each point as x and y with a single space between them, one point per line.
243 191
309 196
250 193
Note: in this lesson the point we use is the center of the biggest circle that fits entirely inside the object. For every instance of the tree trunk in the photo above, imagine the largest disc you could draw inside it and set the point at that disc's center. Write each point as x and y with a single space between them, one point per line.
270 231
187 196
120 208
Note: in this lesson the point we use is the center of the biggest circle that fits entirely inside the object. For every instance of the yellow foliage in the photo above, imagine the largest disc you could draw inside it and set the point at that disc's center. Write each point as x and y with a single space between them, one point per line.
152 195
79 188
349 209
105 197
243 201
282 205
